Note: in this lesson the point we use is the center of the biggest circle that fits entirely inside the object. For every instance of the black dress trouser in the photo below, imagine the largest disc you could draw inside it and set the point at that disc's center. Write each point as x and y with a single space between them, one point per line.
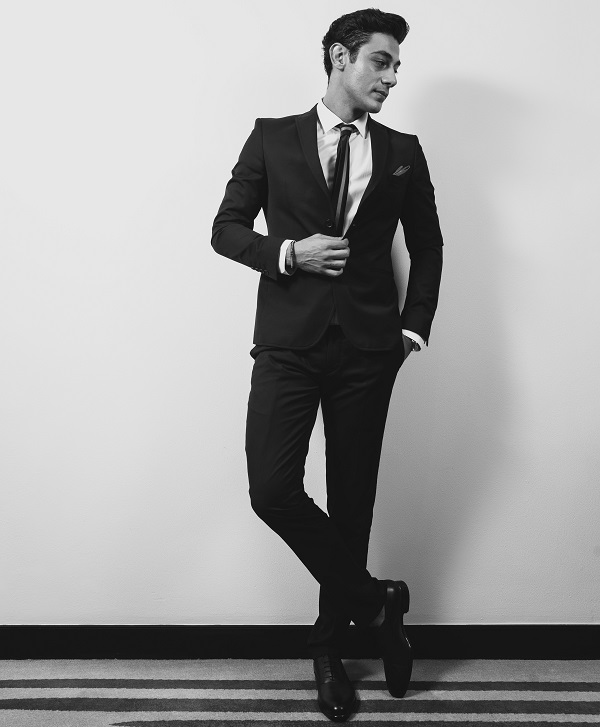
353 387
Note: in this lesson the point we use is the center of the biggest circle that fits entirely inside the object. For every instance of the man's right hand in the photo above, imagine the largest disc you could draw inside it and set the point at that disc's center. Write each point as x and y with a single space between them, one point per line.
322 254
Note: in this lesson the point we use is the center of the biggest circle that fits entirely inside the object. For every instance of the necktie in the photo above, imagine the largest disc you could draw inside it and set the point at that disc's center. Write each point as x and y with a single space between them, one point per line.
341 177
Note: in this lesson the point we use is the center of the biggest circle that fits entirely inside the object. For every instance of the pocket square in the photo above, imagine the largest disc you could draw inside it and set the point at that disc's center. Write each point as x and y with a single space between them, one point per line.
401 170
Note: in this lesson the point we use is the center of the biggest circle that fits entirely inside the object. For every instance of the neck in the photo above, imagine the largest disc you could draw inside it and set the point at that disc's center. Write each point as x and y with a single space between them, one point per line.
341 106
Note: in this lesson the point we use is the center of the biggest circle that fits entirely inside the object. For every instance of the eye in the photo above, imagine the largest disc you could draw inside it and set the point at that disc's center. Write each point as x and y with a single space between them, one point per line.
380 64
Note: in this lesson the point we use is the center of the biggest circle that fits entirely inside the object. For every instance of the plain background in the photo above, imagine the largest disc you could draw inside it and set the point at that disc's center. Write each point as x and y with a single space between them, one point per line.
124 366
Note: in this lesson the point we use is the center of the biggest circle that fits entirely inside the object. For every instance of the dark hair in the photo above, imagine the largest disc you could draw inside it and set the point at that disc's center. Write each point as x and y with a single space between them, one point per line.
355 29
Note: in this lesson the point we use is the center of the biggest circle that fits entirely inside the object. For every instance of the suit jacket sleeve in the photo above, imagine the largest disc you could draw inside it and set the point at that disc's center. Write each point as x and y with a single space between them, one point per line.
246 193
423 239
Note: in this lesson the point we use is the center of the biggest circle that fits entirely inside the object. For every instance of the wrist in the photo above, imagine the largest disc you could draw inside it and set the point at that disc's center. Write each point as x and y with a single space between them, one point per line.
417 342
410 344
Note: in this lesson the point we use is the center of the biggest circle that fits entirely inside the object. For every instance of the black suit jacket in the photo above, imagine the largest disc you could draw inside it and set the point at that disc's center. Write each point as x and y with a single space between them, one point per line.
279 171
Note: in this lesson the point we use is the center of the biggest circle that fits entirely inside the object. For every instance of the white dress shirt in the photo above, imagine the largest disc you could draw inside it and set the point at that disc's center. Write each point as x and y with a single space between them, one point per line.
361 167
361 159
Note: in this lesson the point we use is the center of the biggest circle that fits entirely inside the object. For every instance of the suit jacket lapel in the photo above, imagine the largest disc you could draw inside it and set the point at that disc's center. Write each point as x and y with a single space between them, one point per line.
379 149
307 130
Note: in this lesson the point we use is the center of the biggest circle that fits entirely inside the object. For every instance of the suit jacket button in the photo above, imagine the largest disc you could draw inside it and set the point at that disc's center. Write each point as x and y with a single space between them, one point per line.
329 223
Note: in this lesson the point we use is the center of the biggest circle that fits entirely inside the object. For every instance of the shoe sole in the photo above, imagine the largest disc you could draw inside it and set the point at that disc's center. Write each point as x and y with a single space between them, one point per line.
397 678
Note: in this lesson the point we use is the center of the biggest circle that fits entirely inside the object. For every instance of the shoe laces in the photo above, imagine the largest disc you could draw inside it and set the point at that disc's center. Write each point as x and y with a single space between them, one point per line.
328 667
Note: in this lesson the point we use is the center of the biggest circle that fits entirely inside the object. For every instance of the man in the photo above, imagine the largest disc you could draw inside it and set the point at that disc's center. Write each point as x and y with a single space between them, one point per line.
333 184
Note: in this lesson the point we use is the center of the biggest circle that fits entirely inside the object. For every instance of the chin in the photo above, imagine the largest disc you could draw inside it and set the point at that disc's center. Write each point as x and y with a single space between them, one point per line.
368 104
375 107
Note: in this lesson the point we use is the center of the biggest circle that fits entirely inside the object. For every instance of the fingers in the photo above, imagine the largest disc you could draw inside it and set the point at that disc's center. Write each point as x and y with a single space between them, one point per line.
339 243
337 258
339 254
333 243
335 267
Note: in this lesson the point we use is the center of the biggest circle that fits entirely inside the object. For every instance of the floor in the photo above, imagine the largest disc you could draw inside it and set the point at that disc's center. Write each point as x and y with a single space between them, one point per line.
218 693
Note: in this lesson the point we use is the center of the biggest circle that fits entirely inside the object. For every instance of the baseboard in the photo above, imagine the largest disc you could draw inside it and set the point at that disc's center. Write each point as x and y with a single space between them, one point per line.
263 642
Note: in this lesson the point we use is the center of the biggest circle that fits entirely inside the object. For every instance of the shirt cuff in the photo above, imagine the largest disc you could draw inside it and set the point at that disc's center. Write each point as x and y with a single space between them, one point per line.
282 252
414 337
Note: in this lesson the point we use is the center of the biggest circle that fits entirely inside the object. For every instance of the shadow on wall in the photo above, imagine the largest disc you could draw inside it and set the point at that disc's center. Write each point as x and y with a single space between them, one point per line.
450 416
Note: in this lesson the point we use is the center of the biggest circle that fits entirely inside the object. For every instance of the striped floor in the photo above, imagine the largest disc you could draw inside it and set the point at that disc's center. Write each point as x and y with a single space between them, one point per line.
268 692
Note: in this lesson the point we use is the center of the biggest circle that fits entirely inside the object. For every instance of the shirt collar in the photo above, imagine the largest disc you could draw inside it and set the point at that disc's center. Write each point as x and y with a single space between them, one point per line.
329 120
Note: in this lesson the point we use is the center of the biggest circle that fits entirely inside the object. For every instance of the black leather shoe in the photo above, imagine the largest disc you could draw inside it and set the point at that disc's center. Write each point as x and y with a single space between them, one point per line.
394 646
337 698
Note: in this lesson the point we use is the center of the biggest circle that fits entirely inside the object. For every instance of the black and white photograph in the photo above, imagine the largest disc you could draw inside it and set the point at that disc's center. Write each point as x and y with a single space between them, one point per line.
299 363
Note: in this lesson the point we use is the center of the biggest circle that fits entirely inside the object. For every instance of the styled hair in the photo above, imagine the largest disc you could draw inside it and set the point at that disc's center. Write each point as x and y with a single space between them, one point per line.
355 29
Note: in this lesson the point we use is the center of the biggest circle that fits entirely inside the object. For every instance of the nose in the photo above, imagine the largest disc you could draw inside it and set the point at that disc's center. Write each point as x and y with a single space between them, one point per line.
389 78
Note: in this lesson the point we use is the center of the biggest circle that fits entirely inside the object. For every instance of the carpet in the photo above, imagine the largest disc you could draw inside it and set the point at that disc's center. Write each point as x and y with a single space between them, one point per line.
227 693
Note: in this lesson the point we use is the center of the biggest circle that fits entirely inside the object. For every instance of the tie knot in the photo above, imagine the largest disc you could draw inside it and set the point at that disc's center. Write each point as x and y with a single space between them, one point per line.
346 129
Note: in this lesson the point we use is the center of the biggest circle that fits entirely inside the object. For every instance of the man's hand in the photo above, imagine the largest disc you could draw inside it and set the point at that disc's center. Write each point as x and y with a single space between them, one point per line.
408 344
322 254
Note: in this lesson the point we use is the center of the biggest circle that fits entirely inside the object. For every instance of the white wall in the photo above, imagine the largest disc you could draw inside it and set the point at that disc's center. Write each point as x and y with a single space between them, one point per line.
124 369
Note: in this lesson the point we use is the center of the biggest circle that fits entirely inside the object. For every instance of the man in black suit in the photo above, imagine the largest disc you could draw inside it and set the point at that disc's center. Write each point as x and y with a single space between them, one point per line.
333 184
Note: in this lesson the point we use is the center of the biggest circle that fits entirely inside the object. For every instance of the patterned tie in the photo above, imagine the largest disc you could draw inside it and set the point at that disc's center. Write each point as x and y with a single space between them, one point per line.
341 177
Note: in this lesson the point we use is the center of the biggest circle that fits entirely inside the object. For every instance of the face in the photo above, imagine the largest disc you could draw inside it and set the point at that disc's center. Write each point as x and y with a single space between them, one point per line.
367 82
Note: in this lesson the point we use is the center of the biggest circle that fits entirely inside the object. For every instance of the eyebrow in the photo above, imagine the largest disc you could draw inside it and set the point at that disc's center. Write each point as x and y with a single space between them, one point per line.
385 54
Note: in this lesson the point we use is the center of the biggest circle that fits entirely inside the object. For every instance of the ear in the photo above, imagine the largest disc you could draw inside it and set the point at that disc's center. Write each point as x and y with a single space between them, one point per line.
339 56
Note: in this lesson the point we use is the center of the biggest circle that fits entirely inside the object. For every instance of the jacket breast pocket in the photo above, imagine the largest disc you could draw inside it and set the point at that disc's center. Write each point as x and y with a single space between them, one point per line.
399 180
